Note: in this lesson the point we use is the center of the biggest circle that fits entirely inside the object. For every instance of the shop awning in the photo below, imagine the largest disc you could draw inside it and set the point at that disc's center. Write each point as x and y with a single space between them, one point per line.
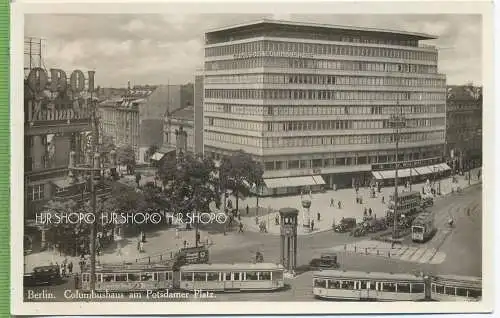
404 173
423 170
157 156
377 175
319 180
444 166
276 183
294 182
300 181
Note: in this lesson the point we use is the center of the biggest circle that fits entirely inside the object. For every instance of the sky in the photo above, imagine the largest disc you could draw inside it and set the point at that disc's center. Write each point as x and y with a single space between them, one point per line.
160 49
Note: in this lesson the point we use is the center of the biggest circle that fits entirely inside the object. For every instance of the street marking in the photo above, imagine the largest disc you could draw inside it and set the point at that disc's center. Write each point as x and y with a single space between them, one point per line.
429 253
408 253
417 254
438 258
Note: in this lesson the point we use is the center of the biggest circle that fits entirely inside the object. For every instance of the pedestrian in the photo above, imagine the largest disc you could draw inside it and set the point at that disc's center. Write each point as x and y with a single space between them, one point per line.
248 209
468 211
241 227
185 243
375 216
70 268
256 220
370 211
383 200
312 225
365 212
277 220
332 202
340 204
63 270
319 216
139 245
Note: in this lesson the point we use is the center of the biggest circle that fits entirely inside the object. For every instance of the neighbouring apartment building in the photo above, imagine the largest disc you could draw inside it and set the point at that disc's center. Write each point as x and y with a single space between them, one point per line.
136 118
313 102
464 126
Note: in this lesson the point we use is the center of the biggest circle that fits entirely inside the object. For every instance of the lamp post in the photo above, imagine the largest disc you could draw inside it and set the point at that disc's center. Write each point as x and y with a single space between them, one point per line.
397 121
92 165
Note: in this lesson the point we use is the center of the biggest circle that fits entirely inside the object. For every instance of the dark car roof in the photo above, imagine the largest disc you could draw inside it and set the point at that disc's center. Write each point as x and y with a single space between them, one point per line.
43 268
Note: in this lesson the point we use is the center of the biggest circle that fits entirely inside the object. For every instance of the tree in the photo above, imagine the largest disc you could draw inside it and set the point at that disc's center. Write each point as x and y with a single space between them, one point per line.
240 174
125 155
67 236
190 183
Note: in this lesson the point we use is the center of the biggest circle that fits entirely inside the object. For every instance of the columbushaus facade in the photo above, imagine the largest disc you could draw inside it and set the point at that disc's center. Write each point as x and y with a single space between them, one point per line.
313 103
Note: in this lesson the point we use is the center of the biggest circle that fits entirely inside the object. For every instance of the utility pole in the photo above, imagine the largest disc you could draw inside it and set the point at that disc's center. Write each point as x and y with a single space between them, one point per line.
93 166
397 121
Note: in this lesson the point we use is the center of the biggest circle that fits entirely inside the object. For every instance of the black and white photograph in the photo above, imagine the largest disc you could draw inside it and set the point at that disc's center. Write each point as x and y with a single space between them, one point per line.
254 157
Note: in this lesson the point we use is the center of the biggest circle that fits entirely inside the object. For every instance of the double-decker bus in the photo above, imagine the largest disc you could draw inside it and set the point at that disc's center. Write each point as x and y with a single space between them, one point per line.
408 203
352 285
232 277
129 278
456 288
423 228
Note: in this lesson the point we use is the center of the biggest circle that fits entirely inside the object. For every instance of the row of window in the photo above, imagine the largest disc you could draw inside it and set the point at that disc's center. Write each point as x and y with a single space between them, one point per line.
287 63
321 49
343 160
36 192
321 110
399 287
285 142
310 94
323 80
456 291
230 276
130 277
312 125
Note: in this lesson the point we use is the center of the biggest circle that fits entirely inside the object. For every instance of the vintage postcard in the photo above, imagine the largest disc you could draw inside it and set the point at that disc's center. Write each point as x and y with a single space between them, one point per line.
251 158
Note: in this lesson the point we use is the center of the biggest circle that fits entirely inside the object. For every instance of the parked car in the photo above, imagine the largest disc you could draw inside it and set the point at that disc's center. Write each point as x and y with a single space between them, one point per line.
345 225
43 275
326 261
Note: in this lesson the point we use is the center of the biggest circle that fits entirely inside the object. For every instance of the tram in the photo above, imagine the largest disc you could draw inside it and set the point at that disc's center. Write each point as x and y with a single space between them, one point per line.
351 285
456 288
129 278
422 228
232 277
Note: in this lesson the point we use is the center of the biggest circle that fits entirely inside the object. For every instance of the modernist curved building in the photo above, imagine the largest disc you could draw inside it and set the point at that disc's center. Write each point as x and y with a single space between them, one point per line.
313 102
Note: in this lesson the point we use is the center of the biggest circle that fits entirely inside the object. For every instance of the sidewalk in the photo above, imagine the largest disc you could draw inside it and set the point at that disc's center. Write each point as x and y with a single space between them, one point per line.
157 243
321 204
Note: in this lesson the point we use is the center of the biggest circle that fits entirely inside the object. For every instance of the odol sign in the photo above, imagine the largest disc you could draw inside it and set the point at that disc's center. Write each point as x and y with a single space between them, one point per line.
38 109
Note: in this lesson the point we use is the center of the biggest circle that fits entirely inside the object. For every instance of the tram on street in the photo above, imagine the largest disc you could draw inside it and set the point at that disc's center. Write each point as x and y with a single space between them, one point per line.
232 277
456 288
129 278
352 285
423 228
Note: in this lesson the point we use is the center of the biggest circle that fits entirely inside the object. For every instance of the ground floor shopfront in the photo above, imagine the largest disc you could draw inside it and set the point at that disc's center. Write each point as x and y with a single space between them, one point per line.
408 172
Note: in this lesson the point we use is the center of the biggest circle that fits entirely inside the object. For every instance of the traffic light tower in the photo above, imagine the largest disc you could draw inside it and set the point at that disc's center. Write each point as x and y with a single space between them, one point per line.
288 240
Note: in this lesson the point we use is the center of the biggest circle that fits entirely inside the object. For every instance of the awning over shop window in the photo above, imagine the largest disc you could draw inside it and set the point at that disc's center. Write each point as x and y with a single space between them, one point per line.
319 180
294 182
423 170
377 175
300 181
157 156
444 167
276 183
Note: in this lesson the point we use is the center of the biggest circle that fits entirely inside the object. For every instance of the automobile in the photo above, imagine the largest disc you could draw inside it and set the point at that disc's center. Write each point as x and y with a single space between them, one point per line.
376 225
359 230
325 261
427 202
345 225
43 275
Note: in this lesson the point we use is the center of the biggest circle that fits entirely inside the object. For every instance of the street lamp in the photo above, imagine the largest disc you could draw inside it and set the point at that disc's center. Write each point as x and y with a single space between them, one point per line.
92 165
397 121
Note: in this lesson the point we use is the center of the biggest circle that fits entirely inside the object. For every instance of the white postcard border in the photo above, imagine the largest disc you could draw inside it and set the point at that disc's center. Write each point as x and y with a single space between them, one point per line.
19 307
